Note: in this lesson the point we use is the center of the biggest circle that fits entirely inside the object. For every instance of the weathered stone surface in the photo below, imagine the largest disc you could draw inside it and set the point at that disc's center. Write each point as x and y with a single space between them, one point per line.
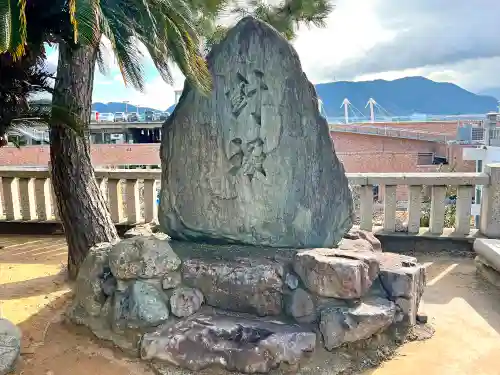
146 305
253 162
185 301
142 257
337 273
146 230
300 305
94 280
345 325
403 280
10 346
171 280
243 286
234 343
291 280
360 240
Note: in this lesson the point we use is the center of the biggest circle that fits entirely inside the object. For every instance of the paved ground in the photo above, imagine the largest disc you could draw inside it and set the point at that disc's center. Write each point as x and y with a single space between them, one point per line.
464 311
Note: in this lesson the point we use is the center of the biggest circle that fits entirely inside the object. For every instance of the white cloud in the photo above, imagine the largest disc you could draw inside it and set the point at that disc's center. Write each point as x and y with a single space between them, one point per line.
352 30
365 40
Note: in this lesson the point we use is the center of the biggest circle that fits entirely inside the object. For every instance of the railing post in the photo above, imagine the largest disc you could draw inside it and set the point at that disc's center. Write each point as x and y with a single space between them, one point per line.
436 222
42 199
390 208
11 197
366 208
27 198
490 203
414 208
149 200
463 213
133 202
115 200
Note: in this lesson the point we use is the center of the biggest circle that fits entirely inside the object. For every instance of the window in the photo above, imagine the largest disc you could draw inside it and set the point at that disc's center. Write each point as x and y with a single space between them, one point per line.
425 158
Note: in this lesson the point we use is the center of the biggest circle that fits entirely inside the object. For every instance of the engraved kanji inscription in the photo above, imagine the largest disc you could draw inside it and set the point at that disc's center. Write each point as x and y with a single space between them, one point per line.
247 91
247 155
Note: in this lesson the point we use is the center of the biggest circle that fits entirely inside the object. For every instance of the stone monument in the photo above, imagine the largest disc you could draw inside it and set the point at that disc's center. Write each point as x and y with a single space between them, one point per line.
252 171
253 162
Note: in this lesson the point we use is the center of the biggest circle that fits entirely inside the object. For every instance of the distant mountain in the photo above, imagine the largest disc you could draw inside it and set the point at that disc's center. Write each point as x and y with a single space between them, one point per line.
494 91
401 97
119 107
404 97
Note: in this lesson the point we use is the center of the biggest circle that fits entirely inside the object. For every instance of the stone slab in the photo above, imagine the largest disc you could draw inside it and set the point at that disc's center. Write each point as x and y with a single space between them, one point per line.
236 343
489 249
336 273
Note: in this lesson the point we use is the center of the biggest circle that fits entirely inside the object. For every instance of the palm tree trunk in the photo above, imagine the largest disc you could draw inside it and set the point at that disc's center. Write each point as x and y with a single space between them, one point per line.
82 208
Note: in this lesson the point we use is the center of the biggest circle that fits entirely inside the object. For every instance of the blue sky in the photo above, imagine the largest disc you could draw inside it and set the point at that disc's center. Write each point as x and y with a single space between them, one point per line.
445 40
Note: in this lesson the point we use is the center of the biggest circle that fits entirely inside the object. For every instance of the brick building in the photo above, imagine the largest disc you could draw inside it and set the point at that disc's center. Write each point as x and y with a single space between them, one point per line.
387 151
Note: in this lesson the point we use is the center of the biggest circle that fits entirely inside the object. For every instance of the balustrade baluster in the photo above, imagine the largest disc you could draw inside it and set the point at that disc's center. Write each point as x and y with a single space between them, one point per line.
438 196
390 208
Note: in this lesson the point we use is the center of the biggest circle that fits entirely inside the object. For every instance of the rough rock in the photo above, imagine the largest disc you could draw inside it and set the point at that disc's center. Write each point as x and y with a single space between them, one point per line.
10 346
146 305
300 305
357 239
185 301
234 343
94 280
403 280
171 280
291 280
146 230
142 257
337 273
242 285
254 162
346 325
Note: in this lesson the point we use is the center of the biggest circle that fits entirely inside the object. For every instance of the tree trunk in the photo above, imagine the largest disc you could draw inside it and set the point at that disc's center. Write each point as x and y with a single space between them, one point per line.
82 208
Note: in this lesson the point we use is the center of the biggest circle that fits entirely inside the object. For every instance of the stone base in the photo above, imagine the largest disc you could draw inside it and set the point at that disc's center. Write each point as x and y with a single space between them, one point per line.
245 308
10 346
486 271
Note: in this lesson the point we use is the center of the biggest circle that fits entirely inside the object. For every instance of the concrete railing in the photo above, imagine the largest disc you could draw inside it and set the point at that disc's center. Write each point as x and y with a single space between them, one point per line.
132 197
436 182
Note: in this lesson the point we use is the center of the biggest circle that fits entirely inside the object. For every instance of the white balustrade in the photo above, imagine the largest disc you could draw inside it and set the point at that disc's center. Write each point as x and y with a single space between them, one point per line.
27 195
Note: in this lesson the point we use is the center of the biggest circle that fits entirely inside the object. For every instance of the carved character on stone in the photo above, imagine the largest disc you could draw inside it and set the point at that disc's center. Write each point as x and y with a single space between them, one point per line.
248 156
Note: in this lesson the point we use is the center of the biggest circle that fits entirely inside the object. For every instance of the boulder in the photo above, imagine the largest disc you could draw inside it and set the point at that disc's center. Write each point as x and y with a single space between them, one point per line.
237 285
347 325
234 343
94 281
253 162
403 281
185 301
291 281
171 280
146 305
300 305
10 346
336 273
142 257
357 239
146 230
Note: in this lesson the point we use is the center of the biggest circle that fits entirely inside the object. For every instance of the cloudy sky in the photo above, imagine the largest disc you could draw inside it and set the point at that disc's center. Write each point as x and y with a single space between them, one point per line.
445 40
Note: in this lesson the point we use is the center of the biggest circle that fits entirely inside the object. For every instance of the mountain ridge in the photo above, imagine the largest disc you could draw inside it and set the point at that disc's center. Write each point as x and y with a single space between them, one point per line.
399 97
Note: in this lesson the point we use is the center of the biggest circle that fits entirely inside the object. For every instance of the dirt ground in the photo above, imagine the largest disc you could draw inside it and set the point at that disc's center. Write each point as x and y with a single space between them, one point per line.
464 310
